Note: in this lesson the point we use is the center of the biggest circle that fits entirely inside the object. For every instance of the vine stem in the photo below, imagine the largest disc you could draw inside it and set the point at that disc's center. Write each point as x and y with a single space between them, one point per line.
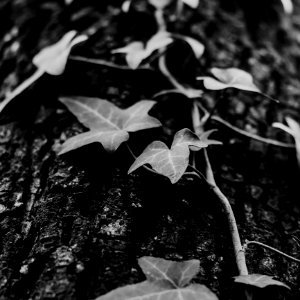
210 180
243 132
238 248
105 63
247 243
22 87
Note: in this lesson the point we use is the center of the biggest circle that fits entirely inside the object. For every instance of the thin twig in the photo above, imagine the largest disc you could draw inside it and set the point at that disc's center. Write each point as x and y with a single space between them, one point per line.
247 243
105 63
251 135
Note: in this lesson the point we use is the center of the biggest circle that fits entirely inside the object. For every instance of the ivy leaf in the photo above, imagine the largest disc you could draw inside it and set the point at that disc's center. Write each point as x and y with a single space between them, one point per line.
258 280
293 129
108 124
136 52
287 6
126 6
229 78
165 280
53 59
191 3
173 162
160 4
167 272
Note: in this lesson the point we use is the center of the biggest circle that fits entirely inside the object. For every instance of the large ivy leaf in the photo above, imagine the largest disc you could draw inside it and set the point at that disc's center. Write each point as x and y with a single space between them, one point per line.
108 124
136 52
230 78
167 272
166 280
173 162
53 59
258 280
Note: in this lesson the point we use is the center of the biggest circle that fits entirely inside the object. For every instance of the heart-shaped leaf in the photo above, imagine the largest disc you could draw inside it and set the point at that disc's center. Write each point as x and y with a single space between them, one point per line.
258 280
229 78
53 59
136 52
108 124
173 162
166 280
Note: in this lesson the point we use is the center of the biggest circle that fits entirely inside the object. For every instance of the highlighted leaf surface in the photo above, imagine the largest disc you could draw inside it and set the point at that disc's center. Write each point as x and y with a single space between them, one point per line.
167 272
173 162
293 129
108 124
230 78
53 59
166 280
258 280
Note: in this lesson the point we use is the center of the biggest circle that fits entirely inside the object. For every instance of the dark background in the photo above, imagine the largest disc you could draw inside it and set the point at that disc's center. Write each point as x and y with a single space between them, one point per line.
72 227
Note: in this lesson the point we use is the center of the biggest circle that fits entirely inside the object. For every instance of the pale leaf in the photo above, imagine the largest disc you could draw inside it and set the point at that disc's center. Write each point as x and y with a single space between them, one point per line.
293 129
108 124
158 286
168 272
136 52
258 280
53 59
160 4
287 6
191 3
173 162
230 78
147 290
126 6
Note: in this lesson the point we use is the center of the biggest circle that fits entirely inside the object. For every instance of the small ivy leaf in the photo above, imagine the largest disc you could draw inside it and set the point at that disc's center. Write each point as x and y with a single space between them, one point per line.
197 47
108 124
126 6
173 162
166 280
160 4
287 6
167 272
204 138
191 3
230 78
136 52
53 59
293 129
258 280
